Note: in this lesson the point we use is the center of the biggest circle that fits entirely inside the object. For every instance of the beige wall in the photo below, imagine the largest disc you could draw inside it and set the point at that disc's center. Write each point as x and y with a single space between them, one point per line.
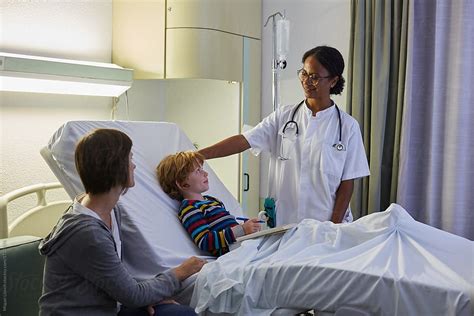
64 29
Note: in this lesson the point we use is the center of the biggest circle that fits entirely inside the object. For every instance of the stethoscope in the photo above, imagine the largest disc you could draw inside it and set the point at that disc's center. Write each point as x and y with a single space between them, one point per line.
339 145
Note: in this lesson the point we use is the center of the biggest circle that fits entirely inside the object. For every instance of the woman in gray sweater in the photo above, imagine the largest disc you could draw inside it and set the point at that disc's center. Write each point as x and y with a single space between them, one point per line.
84 274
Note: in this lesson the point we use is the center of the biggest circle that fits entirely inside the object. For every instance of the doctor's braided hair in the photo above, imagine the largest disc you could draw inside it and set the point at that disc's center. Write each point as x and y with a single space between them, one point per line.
331 59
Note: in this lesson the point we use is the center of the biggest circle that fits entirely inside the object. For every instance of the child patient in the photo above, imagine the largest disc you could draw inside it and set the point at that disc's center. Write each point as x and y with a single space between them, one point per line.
210 225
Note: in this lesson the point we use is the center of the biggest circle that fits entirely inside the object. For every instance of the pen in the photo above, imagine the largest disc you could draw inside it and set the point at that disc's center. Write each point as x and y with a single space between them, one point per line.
246 219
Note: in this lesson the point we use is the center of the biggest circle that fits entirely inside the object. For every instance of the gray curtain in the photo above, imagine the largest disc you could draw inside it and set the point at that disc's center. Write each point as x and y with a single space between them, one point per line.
437 147
376 80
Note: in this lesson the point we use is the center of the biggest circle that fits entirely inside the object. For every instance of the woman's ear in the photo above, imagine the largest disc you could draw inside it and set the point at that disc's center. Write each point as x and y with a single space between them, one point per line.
335 80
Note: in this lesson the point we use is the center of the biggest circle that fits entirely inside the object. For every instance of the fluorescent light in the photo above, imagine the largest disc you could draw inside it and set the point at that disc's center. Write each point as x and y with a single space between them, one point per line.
61 85
26 73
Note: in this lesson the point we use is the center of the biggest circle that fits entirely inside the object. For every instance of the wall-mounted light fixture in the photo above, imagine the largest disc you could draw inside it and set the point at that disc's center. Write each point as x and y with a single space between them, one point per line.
26 73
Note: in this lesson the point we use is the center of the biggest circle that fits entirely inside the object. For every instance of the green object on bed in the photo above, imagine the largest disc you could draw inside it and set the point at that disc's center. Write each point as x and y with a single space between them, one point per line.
270 209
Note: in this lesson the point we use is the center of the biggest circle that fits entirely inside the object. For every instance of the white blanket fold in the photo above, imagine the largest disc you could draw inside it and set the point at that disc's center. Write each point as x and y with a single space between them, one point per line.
384 263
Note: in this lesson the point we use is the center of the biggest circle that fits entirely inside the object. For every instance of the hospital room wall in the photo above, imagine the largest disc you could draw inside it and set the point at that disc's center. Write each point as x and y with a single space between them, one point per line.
83 30
312 23
64 29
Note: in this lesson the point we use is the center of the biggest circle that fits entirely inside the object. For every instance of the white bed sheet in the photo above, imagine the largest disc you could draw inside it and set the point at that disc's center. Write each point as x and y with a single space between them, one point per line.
153 238
385 264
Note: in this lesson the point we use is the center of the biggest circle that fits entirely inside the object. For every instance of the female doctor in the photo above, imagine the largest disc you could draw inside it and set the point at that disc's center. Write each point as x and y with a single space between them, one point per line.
316 148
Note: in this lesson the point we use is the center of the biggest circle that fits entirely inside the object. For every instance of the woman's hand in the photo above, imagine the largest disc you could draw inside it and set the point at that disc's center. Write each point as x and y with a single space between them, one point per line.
189 267
251 226
151 308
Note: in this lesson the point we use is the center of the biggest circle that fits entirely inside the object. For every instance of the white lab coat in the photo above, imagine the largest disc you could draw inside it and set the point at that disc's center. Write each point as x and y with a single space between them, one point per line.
305 186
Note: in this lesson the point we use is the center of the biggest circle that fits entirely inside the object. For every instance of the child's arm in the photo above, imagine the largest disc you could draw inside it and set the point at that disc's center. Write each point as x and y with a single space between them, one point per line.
198 226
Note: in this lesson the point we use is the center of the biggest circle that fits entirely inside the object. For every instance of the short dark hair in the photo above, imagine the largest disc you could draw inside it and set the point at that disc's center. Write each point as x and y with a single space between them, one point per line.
102 160
331 59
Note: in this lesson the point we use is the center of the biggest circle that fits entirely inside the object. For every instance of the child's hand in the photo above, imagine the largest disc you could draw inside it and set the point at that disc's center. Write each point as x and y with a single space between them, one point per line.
251 226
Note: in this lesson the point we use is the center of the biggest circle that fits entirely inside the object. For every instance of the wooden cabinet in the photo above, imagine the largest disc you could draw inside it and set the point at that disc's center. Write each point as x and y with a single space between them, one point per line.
240 17
138 40
184 38
197 53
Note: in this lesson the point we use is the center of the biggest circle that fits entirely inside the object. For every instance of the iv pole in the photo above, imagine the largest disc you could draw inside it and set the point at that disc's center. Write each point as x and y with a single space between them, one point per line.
276 63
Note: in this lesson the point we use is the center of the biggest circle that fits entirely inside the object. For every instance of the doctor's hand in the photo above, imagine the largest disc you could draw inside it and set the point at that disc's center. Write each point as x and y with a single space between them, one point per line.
251 226
189 267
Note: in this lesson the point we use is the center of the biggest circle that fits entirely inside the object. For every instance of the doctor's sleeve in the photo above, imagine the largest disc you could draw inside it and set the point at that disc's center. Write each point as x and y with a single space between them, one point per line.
356 165
263 136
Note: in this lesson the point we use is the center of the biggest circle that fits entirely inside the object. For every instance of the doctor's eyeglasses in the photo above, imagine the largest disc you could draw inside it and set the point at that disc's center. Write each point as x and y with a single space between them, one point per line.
303 76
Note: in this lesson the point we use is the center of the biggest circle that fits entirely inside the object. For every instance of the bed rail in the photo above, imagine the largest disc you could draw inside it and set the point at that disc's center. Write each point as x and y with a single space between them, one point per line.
38 220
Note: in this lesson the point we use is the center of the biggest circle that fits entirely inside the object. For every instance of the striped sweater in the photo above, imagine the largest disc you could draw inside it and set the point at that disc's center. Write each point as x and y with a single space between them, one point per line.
209 224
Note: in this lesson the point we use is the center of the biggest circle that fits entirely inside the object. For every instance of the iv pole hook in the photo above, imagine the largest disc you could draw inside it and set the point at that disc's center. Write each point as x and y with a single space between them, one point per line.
273 17
275 63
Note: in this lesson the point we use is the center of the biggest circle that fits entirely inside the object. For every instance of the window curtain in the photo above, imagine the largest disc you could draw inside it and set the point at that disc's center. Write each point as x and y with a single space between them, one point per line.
436 179
376 77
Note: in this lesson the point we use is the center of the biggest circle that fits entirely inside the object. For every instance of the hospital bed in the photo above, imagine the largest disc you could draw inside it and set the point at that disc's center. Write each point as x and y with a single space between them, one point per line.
382 264
153 238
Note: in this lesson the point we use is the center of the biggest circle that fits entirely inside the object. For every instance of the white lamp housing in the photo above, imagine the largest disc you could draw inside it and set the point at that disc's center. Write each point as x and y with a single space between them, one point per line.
26 73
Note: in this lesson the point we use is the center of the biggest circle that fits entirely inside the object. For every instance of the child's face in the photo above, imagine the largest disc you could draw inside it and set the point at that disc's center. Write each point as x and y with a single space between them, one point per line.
197 181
